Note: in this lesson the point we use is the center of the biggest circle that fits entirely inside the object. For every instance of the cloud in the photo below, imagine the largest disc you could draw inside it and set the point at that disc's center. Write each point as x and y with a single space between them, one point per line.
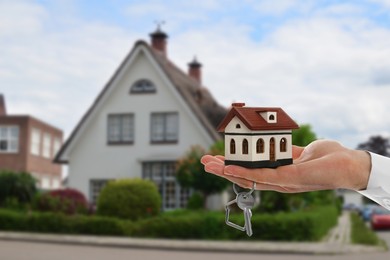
324 64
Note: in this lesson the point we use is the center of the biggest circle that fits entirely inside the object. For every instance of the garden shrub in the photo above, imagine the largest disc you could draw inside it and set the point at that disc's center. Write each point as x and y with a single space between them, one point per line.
16 188
196 201
298 226
129 199
68 201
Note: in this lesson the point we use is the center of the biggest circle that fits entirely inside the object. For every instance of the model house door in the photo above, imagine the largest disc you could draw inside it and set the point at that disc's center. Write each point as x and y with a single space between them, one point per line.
272 149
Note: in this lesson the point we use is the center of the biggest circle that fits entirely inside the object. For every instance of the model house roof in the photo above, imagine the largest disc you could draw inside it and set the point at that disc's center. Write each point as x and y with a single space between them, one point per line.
198 98
257 118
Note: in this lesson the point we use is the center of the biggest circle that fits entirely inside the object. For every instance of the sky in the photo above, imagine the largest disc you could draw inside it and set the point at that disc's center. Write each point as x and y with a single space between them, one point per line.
326 63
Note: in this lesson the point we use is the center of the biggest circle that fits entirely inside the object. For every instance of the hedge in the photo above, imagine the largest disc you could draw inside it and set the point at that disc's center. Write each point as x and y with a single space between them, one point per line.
299 226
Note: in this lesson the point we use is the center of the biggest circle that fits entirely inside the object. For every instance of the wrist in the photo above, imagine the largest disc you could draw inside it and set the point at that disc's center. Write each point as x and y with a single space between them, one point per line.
362 169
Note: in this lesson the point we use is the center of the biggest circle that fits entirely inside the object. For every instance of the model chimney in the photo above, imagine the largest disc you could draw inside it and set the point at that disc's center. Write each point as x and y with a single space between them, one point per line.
159 40
3 110
194 70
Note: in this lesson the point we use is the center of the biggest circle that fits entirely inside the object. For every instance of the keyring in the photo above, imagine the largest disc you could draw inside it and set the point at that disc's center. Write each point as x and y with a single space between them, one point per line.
249 192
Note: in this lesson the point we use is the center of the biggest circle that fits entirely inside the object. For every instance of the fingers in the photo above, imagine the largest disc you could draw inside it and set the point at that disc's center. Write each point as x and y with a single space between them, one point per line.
297 151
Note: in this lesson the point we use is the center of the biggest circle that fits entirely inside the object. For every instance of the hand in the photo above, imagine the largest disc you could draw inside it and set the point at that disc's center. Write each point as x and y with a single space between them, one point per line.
321 165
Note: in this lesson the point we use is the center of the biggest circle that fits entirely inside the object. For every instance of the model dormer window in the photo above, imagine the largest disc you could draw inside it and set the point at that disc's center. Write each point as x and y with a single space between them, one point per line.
269 116
143 86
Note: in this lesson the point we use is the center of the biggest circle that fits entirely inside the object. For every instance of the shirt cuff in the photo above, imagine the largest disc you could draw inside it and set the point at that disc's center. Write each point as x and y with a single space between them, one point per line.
378 187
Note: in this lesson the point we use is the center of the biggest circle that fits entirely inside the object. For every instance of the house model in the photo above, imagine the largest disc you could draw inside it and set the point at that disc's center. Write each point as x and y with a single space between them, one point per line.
257 137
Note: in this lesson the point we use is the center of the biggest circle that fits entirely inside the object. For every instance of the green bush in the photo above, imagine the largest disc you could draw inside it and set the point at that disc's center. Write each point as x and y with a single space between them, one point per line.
196 201
58 223
361 234
16 188
129 199
183 224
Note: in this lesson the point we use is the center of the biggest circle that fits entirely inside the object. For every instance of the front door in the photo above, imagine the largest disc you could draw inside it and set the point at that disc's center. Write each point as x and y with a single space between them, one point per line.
272 149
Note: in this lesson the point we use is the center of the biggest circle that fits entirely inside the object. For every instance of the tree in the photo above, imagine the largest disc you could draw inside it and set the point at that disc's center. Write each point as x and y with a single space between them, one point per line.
376 144
190 172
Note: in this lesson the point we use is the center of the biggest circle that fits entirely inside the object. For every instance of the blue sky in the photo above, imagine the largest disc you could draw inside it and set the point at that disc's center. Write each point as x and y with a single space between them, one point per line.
327 63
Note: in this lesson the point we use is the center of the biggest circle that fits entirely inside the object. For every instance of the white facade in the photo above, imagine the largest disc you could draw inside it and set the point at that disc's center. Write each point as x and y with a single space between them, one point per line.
236 130
89 155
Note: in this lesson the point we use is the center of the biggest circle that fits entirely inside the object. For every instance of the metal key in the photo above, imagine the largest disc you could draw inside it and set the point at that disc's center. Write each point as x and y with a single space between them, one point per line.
245 201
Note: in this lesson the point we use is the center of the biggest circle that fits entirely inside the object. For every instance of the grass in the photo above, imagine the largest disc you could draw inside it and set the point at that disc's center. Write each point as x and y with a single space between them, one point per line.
361 234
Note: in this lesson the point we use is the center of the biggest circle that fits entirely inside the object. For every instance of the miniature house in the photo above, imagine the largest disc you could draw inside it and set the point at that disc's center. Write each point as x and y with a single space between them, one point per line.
257 137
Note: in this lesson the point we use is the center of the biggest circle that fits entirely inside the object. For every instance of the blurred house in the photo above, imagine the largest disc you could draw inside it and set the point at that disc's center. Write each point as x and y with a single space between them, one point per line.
146 117
28 144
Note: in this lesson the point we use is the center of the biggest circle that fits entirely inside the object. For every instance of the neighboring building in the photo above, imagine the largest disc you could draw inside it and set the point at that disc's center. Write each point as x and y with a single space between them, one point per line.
147 116
28 144
257 137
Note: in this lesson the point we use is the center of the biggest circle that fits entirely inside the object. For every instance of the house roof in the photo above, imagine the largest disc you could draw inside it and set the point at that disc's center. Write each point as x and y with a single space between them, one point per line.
252 118
198 98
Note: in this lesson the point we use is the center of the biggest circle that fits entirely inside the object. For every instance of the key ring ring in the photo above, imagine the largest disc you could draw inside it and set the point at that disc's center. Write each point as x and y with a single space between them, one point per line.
249 192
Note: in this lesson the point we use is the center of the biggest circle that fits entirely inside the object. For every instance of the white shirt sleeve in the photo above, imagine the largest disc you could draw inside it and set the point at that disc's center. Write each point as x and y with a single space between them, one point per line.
378 188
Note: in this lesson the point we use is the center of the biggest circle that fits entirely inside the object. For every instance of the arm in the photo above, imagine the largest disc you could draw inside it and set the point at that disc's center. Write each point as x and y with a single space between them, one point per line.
321 165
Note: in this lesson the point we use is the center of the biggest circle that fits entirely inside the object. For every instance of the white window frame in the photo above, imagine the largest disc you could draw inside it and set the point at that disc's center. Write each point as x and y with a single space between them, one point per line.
46 145
9 139
120 128
164 127
56 146
163 174
35 143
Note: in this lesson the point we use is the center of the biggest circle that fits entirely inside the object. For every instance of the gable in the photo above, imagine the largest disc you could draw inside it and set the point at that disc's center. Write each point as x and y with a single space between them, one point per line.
141 63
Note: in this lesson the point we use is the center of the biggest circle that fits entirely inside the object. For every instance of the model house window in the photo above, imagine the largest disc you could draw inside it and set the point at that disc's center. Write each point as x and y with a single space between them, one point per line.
245 146
260 146
95 187
283 145
9 139
46 145
232 146
238 126
164 127
142 86
163 174
120 129
35 141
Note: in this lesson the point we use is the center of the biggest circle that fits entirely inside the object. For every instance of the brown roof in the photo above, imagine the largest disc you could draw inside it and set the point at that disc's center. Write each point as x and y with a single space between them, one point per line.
199 99
251 117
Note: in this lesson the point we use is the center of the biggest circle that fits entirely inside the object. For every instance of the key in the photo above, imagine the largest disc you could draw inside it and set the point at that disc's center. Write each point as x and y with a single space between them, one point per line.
245 201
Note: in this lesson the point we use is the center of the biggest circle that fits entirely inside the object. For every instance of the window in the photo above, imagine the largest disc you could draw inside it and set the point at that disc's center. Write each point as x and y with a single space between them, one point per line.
164 127
35 142
56 146
245 146
46 145
260 146
232 146
9 139
283 145
271 118
56 183
120 129
163 174
45 183
142 86
95 186
238 126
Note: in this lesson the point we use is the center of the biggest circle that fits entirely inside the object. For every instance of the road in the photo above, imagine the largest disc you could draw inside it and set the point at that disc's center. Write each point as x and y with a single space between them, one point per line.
17 250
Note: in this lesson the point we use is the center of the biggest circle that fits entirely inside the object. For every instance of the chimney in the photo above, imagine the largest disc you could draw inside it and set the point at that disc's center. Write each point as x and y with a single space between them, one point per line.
236 104
159 40
3 110
194 70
